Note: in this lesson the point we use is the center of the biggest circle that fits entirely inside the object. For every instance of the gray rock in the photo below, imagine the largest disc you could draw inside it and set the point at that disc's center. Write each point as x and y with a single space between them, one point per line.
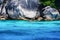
51 13
22 8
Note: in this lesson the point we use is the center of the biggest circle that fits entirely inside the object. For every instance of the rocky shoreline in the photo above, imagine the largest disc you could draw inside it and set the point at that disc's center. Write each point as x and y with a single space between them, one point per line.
27 10
38 19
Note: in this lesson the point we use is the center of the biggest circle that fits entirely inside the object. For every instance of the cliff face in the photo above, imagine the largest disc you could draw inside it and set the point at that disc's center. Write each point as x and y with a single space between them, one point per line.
19 8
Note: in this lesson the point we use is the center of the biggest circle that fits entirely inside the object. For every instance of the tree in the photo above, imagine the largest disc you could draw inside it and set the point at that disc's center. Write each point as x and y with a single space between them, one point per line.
48 3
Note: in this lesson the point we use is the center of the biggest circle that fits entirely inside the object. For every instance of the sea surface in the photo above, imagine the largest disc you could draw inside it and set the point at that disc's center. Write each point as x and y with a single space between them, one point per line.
29 30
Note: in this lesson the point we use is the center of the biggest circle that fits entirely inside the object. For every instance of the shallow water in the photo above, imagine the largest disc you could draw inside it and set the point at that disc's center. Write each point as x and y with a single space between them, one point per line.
25 30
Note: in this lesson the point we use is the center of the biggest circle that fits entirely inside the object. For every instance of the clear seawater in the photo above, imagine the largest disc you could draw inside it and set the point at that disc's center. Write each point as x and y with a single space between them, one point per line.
25 30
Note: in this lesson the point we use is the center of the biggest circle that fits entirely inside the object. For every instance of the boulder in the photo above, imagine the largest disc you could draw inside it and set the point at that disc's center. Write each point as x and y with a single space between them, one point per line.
51 13
22 8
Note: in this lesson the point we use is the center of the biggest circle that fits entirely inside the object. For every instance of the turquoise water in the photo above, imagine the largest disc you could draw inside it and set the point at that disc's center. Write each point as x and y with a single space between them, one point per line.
25 30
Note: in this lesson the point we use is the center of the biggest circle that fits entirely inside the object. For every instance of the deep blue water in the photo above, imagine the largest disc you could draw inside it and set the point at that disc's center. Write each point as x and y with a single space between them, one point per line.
25 30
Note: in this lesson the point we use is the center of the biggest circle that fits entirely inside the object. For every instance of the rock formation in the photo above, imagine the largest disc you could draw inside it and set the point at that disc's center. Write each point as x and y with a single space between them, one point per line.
20 8
51 13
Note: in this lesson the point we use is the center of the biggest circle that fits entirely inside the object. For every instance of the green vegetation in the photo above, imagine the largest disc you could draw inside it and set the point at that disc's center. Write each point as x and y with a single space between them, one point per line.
48 3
